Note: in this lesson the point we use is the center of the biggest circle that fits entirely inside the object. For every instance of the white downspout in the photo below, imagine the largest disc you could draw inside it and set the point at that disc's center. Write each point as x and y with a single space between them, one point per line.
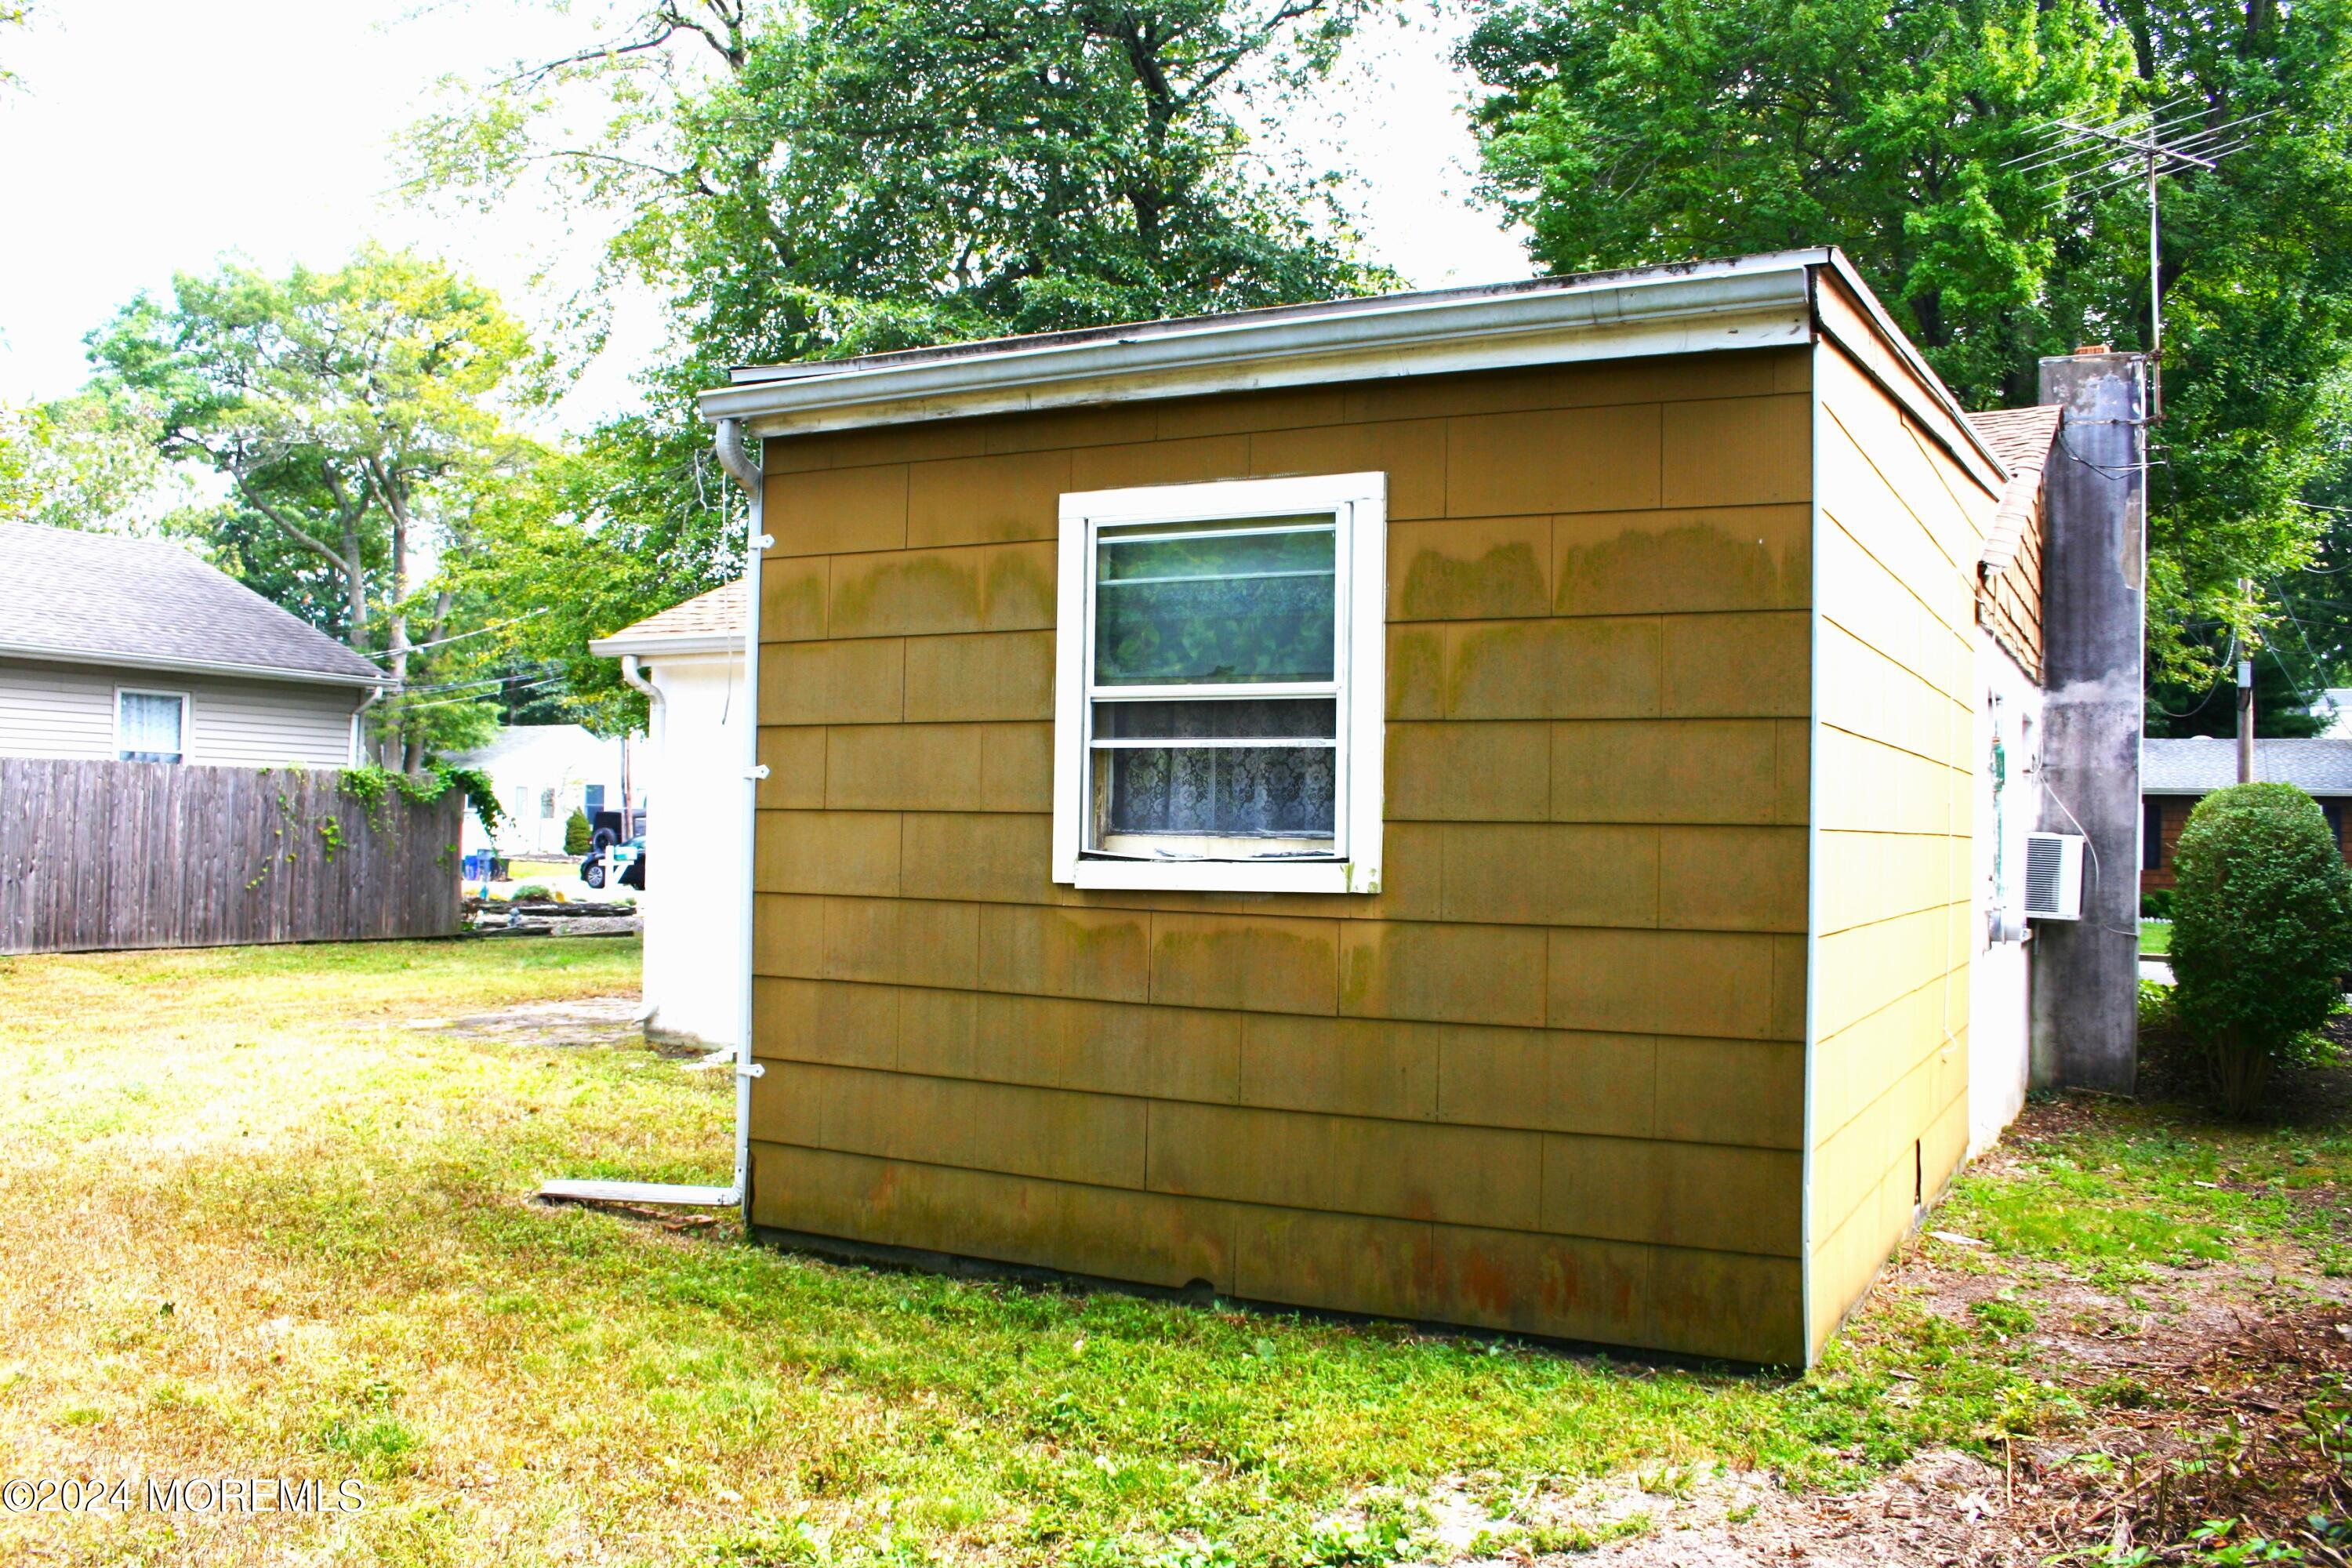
633 674
736 460
359 724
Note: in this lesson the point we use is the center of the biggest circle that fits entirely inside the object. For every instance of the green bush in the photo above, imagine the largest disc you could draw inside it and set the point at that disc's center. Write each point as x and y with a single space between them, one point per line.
2261 932
578 837
531 893
2156 905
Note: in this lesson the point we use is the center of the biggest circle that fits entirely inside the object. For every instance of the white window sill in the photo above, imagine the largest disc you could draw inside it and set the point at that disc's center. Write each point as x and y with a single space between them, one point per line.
1225 876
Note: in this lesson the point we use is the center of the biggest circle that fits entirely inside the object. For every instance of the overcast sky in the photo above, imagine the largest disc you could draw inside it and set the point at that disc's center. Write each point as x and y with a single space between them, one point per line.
157 135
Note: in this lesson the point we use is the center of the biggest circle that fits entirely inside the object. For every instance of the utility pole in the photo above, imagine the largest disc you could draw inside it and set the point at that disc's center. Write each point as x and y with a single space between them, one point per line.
2246 699
2245 720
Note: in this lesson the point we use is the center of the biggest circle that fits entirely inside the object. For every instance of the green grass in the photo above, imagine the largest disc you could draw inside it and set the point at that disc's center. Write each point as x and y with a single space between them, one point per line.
259 1222
2142 1184
2156 936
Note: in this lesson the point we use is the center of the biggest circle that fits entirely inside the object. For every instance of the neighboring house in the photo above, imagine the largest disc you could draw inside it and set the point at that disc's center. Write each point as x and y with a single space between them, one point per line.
2174 775
689 661
542 773
1464 806
135 649
2335 705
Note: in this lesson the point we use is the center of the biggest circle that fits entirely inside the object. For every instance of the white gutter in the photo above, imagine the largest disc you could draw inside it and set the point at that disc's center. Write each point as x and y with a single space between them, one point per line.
196 666
736 460
1758 302
666 648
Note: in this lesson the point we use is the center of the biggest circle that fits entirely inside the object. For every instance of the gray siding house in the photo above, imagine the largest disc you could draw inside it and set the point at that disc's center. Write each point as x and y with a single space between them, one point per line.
134 649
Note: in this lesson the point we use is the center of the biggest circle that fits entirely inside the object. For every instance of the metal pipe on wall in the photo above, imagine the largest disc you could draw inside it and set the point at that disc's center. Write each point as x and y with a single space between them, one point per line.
735 456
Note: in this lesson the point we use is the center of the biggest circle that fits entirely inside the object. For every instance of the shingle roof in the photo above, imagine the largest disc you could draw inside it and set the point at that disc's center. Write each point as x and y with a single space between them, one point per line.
706 620
2201 764
2020 438
91 597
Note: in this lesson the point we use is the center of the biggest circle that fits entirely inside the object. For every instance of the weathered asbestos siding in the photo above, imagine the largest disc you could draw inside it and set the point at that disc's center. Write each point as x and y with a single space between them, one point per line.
1901 526
1550 1078
67 710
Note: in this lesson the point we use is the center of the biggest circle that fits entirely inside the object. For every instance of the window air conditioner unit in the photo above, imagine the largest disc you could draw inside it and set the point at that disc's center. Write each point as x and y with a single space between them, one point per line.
2054 876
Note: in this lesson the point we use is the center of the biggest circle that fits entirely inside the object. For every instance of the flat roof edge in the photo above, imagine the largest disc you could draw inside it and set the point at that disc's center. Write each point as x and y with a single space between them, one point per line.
1755 302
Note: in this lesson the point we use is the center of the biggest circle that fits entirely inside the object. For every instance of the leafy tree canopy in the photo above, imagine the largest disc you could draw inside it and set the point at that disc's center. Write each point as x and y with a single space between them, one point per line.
359 417
86 462
826 177
1624 131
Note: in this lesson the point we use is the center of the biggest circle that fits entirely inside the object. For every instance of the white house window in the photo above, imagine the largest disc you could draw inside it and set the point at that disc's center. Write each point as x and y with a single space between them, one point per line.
150 726
1217 722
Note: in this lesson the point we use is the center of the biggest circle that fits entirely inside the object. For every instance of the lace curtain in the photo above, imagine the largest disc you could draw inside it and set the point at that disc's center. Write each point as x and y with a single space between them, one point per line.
1238 792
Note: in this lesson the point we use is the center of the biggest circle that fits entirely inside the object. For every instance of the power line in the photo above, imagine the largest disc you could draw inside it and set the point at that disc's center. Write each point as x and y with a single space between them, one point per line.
461 637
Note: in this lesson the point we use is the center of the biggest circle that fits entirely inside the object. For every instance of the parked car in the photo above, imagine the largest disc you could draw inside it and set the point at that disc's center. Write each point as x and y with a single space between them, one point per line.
613 861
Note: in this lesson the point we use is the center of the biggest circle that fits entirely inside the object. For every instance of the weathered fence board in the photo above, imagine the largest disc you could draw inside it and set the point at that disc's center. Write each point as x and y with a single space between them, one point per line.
122 855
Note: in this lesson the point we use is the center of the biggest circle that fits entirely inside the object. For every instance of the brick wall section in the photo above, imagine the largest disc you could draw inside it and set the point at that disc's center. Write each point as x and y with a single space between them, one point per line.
1901 528
1550 1078
2176 809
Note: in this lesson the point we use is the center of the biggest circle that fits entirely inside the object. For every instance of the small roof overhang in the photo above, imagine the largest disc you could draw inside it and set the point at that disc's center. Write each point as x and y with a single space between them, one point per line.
1749 301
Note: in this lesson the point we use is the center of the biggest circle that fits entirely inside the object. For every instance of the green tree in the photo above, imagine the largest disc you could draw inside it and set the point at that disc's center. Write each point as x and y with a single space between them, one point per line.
839 176
88 462
2261 931
359 417
1640 131
577 835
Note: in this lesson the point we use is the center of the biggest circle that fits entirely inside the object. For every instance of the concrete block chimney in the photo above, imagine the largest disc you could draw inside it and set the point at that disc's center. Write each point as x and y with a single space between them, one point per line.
2086 988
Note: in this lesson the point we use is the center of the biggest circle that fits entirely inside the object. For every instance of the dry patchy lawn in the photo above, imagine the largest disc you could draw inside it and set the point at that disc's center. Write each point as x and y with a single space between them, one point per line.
270 1215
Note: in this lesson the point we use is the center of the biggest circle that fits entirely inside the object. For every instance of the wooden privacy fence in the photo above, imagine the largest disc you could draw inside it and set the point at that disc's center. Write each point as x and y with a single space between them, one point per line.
105 855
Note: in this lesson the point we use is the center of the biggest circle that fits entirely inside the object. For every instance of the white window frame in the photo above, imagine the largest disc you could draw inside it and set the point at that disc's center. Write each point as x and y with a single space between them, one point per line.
188 720
1358 506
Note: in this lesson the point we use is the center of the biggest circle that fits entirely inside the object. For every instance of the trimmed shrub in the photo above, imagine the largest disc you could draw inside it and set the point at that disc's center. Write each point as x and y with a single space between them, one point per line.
2262 934
578 837
2156 905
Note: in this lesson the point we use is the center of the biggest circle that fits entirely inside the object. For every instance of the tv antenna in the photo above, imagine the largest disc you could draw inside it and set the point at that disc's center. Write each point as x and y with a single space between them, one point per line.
2094 158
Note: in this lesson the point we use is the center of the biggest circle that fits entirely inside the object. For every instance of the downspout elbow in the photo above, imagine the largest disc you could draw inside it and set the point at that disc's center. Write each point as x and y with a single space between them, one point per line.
632 674
734 454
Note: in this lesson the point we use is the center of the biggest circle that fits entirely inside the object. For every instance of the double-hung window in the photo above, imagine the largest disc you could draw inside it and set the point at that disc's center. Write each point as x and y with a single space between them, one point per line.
1218 711
150 726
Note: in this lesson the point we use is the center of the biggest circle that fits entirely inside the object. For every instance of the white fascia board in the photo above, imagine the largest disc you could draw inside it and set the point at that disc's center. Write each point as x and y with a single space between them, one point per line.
1754 302
670 647
188 666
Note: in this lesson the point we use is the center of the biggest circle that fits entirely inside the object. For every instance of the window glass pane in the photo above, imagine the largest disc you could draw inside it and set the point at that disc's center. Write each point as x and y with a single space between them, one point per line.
150 727
1267 719
1214 608
1238 792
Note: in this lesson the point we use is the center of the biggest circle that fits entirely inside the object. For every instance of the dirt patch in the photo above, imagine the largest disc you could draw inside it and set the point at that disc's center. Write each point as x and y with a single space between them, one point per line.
585 1022
2256 1429
2213 1392
2172 1072
1940 1508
